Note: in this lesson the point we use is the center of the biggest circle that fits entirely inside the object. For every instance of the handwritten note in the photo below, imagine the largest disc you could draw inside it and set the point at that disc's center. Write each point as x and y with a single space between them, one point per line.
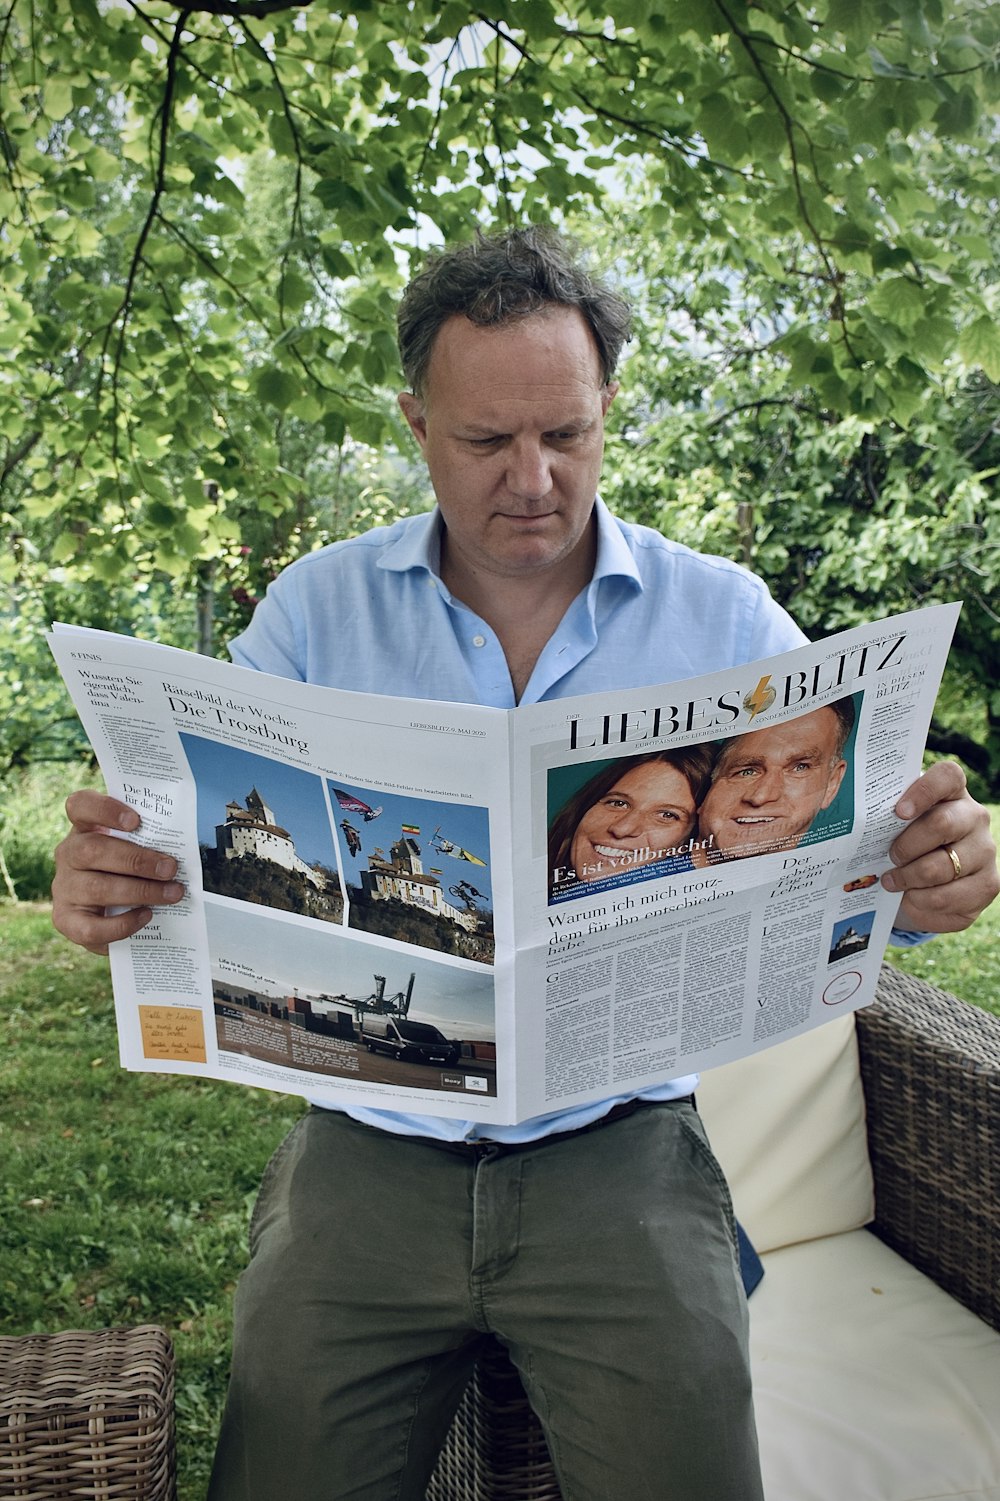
172 1032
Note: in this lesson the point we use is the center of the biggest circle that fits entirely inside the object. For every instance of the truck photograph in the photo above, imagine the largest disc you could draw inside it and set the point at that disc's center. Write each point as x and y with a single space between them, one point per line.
413 1042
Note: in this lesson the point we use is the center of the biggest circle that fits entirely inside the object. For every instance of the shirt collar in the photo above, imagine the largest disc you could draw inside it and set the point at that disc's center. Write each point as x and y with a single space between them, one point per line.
614 556
418 546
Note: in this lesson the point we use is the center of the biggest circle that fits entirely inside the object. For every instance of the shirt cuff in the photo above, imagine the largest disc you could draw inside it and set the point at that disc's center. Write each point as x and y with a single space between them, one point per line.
905 938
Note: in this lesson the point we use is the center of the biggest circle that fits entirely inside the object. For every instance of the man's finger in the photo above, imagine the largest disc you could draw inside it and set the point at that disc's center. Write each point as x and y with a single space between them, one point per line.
96 851
935 868
89 809
95 932
941 782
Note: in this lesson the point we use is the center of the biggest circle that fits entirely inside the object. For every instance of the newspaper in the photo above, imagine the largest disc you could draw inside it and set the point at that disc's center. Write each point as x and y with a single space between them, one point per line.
491 914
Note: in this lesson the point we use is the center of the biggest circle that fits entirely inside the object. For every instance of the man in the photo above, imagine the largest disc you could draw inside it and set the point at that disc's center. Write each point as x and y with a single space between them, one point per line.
597 1243
768 785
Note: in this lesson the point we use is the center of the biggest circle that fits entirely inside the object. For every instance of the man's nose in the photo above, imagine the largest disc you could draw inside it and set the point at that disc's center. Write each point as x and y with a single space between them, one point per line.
529 471
765 788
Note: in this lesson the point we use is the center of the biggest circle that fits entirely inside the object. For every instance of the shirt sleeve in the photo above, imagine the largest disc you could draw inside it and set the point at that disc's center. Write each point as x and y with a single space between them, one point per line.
270 642
773 629
906 938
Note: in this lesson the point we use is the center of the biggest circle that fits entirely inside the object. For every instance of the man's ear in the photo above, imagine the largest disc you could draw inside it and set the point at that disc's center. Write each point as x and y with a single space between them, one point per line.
608 394
412 409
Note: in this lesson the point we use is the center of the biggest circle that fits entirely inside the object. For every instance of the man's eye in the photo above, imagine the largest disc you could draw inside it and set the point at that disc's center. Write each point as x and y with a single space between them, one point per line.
668 815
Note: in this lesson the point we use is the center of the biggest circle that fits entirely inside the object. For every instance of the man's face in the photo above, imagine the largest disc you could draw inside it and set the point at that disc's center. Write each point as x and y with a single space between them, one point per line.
769 785
648 811
512 429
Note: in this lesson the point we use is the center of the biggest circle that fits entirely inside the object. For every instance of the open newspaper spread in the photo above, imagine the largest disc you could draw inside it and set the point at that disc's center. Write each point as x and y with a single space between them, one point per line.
490 914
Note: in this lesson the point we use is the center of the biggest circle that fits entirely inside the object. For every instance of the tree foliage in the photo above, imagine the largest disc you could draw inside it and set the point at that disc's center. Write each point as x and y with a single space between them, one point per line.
847 516
206 213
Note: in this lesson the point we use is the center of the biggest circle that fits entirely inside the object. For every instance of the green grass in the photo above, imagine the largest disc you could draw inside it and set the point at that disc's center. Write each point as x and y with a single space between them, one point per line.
124 1198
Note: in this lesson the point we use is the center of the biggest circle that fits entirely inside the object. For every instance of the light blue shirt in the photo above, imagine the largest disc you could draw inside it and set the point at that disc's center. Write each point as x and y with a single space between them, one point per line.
372 614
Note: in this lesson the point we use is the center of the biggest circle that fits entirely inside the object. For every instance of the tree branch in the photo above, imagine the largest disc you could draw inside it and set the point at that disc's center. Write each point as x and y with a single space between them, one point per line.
255 9
834 276
18 456
755 406
120 318
684 145
296 217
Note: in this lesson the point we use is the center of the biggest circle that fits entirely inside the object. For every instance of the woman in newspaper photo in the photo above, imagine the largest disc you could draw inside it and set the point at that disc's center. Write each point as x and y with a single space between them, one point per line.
635 814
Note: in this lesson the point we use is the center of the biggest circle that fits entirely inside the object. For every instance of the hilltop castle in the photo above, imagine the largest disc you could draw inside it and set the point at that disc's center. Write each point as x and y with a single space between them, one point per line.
253 830
402 876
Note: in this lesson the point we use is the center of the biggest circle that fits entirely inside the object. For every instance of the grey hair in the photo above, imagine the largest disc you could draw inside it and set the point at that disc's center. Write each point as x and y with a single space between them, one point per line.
496 279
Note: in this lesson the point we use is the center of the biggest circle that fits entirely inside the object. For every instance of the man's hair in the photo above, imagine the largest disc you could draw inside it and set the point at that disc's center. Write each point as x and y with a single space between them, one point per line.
844 710
496 279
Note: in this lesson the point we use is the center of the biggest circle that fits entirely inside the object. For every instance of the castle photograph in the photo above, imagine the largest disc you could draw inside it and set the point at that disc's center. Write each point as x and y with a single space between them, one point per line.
264 832
416 870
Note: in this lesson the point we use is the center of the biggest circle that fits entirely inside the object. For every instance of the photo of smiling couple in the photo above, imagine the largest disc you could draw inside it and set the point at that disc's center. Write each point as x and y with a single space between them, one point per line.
664 812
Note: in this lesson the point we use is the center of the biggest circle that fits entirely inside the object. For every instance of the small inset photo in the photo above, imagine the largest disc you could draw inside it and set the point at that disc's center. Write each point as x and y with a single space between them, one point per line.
851 935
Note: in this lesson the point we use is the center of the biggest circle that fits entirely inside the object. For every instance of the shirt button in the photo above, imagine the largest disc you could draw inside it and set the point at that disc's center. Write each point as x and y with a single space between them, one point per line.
479 640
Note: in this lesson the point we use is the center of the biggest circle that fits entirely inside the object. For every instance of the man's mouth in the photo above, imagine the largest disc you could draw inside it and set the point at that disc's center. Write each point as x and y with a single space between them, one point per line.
753 822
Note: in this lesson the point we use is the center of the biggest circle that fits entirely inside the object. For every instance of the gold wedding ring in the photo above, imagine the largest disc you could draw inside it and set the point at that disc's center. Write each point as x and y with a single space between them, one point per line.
955 861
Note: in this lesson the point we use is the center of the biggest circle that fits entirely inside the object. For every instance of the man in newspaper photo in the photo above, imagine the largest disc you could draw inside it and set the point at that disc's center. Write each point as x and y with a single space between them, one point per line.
598 1242
768 786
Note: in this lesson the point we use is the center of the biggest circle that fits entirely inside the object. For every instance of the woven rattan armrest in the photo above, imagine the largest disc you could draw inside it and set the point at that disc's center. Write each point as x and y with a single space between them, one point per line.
930 1065
88 1414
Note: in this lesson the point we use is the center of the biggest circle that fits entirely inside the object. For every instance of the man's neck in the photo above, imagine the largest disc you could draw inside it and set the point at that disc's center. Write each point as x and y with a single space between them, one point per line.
523 609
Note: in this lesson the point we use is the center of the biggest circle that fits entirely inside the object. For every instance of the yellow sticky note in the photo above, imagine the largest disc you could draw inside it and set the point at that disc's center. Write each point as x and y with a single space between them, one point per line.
173 1033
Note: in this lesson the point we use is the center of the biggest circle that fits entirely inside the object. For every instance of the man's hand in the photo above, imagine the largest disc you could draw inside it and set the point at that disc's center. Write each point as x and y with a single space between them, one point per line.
941 896
94 870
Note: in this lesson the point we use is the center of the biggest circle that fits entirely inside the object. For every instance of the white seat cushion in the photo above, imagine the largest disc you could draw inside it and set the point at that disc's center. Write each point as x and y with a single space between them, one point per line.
788 1127
871 1384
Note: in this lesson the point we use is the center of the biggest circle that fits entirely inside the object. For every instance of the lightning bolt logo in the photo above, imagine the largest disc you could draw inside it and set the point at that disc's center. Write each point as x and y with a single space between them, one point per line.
761 698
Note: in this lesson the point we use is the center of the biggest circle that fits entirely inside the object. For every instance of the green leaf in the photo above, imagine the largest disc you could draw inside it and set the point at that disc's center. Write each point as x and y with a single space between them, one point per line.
336 262
883 68
335 193
979 347
102 166
276 387
57 98
900 299
293 291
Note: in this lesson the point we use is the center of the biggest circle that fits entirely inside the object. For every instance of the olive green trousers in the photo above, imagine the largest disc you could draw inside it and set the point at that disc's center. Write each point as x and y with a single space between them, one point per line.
604 1260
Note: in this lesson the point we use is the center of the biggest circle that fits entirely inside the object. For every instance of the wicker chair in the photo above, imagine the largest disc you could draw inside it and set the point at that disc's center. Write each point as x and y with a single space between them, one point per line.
89 1415
930 1068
